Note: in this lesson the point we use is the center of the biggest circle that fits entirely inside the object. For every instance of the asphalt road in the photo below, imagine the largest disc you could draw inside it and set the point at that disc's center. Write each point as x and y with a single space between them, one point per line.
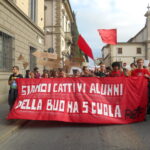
38 135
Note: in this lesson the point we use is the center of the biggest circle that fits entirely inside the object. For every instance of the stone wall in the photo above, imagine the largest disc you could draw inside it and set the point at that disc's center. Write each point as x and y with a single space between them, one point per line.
25 34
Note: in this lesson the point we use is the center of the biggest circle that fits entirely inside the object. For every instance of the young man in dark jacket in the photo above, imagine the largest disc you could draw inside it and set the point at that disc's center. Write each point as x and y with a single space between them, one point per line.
13 86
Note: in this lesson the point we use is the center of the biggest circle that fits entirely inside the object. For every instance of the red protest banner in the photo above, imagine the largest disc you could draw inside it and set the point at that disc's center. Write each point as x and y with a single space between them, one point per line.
82 100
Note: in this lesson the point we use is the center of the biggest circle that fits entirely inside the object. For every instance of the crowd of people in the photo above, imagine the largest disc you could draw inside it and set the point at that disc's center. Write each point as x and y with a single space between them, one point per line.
116 70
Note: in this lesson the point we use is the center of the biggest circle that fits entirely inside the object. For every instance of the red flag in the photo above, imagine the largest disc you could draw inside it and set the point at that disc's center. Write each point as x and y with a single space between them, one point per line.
108 36
85 47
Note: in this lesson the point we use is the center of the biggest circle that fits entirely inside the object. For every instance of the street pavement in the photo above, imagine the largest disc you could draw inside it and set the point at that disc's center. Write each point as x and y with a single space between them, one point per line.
42 135
8 127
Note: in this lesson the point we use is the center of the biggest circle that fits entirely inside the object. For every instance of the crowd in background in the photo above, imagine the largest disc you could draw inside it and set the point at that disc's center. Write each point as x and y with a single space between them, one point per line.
116 70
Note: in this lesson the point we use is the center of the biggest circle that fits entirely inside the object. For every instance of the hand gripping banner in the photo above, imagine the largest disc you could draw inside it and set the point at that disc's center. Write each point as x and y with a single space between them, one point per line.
82 100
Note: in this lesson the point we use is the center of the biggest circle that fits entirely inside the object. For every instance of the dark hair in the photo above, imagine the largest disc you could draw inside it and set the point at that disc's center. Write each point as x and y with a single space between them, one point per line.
53 73
27 74
36 69
75 71
45 74
84 67
108 68
61 70
116 64
16 67
101 64
133 64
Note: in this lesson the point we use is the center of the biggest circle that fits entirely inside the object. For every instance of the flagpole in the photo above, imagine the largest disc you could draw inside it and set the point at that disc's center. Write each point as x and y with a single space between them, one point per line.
94 64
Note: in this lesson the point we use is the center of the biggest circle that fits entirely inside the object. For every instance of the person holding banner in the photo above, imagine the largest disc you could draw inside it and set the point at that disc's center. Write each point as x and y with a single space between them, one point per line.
45 75
133 67
53 74
76 73
27 75
126 71
116 72
61 73
45 72
149 67
13 86
32 75
108 71
141 71
86 72
36 72
102 71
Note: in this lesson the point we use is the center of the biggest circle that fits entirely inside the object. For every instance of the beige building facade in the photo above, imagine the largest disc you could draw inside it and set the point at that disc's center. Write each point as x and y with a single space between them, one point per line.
123 53
58 21
129 52
21 34
34 9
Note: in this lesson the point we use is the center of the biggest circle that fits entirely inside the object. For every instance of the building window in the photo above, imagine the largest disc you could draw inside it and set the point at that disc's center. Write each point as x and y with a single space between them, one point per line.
62 19
50 50
33 10
64 24
45 7
139 50
68 26
32 58
6 52
119 50
63 44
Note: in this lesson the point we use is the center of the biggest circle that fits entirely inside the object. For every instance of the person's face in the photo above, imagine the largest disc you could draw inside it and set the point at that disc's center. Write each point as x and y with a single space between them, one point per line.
44 71
124 64
108 70
36 70
77 74
116 68
102 68
140 64
56 74
28 72
15 70
32 75
46 75
62 74
86 70
96 69
133 66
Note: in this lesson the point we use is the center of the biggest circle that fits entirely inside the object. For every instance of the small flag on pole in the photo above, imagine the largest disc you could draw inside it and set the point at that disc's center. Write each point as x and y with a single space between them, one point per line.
85 47
108 36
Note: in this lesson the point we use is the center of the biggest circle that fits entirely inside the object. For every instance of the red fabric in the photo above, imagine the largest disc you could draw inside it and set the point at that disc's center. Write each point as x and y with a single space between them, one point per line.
37 75
117 74
140 72
85 47
82 100
108 36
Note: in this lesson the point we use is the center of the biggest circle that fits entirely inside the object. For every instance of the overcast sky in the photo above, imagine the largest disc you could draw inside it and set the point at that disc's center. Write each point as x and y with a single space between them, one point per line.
127 16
